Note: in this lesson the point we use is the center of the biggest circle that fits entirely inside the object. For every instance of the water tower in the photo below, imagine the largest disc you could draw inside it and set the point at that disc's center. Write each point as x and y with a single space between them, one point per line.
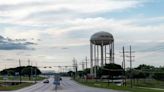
101 50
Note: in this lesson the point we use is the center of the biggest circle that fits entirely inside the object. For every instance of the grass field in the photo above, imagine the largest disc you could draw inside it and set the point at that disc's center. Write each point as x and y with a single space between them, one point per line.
148 83
19 86
15 87
23 78
93 83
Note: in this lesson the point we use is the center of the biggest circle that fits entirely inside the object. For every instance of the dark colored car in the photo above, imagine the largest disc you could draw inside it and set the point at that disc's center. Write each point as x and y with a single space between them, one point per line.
60 79
46 81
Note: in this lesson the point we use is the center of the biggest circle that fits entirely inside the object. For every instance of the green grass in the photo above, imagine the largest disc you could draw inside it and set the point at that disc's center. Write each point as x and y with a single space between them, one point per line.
15 87
148 83
93 83
22 85
23 78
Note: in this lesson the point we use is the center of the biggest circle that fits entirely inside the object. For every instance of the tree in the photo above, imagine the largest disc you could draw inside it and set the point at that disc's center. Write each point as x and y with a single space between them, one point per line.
71 73
113 69
3 72
28 70
22 70
99 72
80 73
86 71
110 70
11 72
159 76
145 70
145 67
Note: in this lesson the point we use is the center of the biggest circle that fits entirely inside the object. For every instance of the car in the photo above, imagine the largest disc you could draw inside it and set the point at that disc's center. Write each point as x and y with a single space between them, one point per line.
60 79
46 81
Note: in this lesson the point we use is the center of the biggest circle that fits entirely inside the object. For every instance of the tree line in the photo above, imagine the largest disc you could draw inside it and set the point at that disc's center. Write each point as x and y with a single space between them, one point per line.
143 71
23 71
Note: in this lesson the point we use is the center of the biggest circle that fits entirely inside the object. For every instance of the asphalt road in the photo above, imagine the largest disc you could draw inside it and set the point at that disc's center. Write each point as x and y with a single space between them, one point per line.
67 85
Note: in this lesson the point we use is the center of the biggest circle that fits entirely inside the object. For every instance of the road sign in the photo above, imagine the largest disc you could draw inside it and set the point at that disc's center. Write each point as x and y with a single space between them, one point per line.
56 82
57 79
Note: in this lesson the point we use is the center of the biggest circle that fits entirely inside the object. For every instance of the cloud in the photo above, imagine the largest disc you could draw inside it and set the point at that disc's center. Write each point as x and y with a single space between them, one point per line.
64 48
41 12
9 59
19 33
9 44
151 47
59 47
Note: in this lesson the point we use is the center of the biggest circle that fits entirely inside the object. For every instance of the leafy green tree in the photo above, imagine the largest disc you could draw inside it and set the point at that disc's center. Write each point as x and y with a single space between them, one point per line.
113 69
3 72
145 67
86 71
23 70
80 74
159 76
27 71
136 74
99 72
71 73
110 69
145 70
11 72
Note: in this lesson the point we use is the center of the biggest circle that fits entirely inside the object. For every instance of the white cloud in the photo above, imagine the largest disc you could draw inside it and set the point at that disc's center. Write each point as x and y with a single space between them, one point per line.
16 33
61 9
120 28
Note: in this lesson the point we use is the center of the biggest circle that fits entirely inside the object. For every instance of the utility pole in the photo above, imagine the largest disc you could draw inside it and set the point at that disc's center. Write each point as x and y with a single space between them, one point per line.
28 62
131 81
82 63
75 66
123 65
130 60
20 78
35 72
31 71
86 59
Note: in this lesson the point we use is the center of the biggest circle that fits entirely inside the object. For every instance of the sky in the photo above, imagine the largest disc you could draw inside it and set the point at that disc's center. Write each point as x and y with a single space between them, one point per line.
53 32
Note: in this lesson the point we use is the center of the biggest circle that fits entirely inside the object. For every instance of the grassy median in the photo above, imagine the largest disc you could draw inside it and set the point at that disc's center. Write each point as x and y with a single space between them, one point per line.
24 78
151 83
14 87
93 83
8 87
